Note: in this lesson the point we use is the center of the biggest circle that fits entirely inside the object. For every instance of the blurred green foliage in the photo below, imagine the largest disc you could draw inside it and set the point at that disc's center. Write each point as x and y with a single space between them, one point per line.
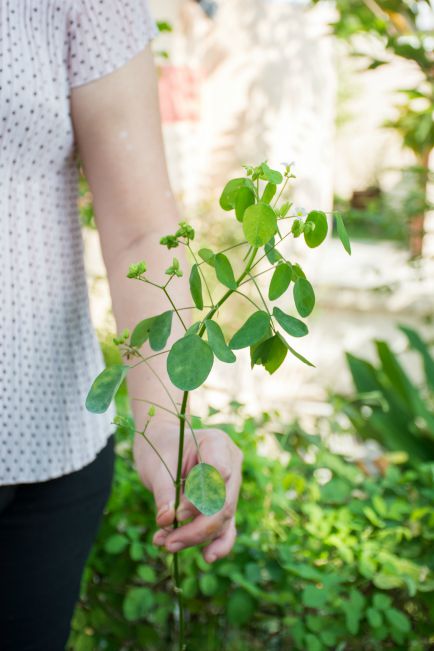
326 558
389 406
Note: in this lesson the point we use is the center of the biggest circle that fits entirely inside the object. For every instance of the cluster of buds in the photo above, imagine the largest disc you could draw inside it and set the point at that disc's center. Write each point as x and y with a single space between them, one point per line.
172 241
122 338
174 269
136 270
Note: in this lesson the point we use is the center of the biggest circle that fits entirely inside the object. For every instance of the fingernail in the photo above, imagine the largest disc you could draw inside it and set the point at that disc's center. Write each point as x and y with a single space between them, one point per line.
212 558
174 546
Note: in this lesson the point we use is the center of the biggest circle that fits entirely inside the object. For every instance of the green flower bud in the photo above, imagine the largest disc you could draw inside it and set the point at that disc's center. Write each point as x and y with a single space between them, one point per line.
171 241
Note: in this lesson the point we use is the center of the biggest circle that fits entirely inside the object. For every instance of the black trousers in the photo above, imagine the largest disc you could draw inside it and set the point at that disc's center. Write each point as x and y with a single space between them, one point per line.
46 532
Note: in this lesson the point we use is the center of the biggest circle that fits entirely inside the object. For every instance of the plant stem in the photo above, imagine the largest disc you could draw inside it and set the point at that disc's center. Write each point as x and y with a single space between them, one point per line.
178 484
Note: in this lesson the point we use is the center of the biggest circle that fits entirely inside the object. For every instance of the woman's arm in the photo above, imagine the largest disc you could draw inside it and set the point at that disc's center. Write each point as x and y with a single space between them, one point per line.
118 131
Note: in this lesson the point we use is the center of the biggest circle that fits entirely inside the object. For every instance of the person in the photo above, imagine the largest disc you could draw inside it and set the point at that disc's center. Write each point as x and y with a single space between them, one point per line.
78 81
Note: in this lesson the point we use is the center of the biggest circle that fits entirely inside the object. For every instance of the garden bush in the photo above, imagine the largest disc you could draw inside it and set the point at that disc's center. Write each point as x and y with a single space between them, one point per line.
326 557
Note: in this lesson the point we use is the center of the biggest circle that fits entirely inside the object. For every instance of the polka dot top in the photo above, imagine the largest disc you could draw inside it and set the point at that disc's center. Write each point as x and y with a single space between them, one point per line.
49 352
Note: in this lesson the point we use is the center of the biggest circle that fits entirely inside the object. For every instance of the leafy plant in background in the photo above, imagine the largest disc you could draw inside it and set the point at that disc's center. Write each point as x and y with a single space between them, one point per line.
404 29
388 406
254 201
327 557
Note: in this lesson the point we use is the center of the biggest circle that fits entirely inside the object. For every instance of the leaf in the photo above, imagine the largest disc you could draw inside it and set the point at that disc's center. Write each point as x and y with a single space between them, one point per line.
160 330
272 253
381 601
271 175
417 343
207 256
398 620
342 233
295 353
137 603
224 271
259 224
270 353
141 332
193 329
189 362
313 597
231 190
208 584
280 281
240 607
269 192
304 297
104 388
205 488
116 544
251 331
290 324
244 199
196 287
217 342
146 573
375 617
316 236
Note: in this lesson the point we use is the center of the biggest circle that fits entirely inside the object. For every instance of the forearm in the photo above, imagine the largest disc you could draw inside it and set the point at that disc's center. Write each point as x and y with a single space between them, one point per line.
134 300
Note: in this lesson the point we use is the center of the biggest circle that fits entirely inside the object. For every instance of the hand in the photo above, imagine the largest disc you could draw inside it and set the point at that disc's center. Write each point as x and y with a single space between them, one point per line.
217 449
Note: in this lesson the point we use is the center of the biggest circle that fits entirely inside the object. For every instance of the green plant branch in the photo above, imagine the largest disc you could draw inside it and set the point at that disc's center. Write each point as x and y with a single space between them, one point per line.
148 440
264 302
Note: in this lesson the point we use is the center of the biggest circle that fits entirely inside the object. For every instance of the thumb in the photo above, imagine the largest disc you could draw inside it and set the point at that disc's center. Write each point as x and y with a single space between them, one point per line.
163 489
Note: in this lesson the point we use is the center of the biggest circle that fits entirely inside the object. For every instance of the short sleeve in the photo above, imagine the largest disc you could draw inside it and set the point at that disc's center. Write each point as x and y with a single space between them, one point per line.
105 34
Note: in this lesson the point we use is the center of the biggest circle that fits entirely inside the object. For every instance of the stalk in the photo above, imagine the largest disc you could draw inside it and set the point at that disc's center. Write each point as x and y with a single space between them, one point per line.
178 482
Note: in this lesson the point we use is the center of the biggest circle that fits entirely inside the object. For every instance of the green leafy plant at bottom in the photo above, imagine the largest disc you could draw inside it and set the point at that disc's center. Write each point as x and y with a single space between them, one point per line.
326 558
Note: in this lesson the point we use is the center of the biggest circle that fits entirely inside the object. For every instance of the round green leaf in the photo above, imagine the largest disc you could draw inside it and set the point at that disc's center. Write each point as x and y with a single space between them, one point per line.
240 607
160 330
290 324
205 489
280 281
116 544
105 387
251 331
375 617
230 192
207 256
270 353
196 287
189 362
217 342
317 235
137 603
304 297
141 332
271 175
208 584
259 224
224 271
245 198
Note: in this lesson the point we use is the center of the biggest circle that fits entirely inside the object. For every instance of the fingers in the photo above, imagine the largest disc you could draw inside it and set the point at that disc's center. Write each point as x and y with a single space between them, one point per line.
204 528
222 545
